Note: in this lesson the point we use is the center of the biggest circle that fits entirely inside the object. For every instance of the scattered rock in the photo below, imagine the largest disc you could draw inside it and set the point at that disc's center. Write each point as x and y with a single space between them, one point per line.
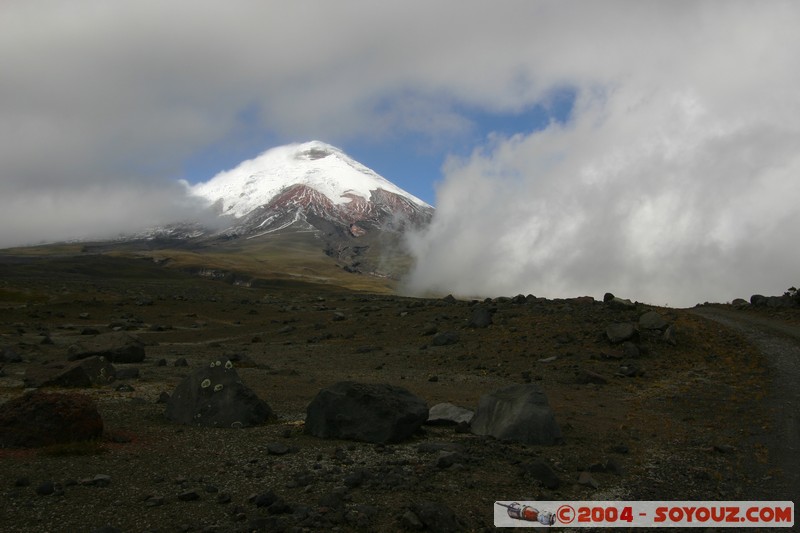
619 303
445 414
181 361
630 350
620 332
669 335
481 318
652 320
41 419
585 478
117 347
277 448
215 396
436 517
127 373
519 413
445 338
541 471
587 376
93 370
189 496
46 488
378 413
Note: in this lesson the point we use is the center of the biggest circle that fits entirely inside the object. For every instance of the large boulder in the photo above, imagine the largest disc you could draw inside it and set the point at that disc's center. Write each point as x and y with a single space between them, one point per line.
378 413
42 419
481 318
87 372
214 396
118 347
518 413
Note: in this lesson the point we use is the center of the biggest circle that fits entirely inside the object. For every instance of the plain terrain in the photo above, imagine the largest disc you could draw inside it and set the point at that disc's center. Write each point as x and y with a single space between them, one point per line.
689 421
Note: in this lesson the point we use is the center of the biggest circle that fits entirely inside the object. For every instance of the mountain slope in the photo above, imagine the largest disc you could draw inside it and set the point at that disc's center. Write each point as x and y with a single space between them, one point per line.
298 184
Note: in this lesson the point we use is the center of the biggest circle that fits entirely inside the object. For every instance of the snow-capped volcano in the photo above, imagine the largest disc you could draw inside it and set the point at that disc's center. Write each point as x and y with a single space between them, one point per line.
289 184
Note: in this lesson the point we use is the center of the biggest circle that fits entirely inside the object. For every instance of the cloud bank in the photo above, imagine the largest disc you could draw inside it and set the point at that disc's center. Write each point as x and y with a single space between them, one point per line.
673 179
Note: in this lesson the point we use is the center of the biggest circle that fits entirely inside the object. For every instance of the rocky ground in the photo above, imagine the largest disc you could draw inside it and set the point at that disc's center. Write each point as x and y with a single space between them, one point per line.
653 418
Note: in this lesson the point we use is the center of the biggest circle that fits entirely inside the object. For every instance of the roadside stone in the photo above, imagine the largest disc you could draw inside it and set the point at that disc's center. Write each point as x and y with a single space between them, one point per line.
215 396
518 413
41 419
377 413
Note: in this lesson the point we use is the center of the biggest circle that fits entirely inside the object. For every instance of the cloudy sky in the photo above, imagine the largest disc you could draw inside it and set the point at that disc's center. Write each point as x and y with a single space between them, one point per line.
650 149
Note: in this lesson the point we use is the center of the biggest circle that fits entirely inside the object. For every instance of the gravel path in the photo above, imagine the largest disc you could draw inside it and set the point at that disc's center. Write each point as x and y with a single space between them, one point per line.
780 344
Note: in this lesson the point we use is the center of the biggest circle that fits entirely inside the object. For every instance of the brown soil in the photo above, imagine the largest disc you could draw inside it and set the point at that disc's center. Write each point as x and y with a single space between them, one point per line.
692 427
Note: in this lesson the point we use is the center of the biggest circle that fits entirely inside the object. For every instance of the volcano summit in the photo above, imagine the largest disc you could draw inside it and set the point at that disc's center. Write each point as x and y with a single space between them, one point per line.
311 186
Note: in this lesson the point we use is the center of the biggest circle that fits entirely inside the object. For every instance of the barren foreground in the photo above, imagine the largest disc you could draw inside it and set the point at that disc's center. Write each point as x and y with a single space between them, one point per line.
682 421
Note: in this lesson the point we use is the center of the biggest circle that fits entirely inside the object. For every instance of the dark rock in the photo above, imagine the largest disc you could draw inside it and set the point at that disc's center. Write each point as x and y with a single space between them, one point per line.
265 499
127 373
585 478
93 370
46 488
541 471
758 300
22 482
607 297
437 517
116 347
161 362
448 459
519 413
669 335
630 350
90 331
181 361
449 299
378 413
445 338
739 302
101 480
410 521
429 329
8 355
215 396
189 496
445 414
42 419
277 448
587 376
620 303
163 397
356 478
652 320
620 332
481 318
124 387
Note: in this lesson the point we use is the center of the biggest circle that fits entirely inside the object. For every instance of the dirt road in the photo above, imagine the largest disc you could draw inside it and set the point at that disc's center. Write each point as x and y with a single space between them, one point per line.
780 345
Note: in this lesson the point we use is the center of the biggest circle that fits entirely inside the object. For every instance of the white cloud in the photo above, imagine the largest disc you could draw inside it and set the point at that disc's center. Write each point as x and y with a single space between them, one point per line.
679 160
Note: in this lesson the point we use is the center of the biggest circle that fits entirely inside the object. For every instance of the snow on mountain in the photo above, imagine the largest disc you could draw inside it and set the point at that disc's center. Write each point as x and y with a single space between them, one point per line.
316 166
